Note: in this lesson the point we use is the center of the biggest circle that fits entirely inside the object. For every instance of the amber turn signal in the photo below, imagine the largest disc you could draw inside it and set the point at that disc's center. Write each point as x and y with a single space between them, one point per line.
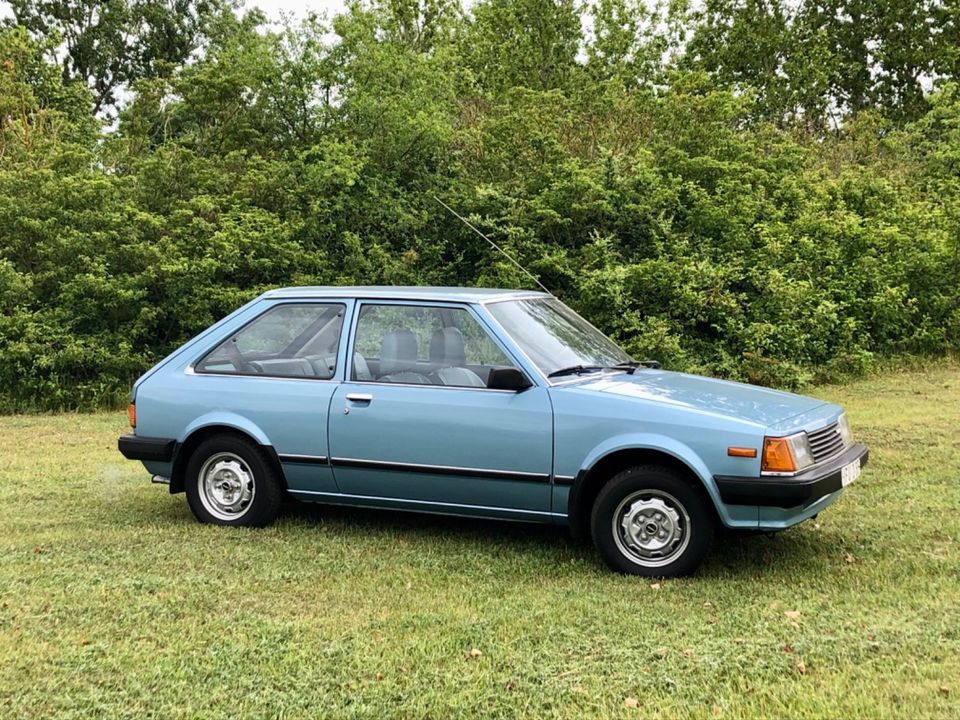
742 452
777 456
132 415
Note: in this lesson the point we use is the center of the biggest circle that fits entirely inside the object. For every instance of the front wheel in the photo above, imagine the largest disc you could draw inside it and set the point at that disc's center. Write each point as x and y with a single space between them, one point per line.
649 520
230 481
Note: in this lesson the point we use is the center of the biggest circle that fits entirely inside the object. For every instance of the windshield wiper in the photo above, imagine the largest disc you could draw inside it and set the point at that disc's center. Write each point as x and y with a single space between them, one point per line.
575 370
631 365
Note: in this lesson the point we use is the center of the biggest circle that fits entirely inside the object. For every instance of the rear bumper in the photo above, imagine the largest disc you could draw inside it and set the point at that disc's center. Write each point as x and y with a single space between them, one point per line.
133 447
789 492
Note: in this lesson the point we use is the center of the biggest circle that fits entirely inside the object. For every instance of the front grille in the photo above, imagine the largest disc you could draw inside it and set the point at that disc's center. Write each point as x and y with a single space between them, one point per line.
825 442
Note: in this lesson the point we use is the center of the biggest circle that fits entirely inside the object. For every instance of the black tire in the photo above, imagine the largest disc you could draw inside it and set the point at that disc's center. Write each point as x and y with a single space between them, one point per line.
657 505
246 470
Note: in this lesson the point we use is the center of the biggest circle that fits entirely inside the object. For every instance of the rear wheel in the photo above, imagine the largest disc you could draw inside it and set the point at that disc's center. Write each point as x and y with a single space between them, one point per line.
649 520
230 481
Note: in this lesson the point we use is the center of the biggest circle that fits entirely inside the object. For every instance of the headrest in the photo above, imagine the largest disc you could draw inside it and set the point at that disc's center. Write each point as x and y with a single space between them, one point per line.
446 348
398 352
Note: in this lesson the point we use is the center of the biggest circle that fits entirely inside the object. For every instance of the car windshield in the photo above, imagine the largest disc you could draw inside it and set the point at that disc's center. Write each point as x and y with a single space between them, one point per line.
555 338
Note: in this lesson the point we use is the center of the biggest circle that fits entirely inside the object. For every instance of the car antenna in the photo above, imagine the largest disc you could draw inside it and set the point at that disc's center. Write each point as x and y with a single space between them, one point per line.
494 245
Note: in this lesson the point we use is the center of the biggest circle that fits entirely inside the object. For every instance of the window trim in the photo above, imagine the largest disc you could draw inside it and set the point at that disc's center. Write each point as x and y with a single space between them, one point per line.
193 367
469 308
431 386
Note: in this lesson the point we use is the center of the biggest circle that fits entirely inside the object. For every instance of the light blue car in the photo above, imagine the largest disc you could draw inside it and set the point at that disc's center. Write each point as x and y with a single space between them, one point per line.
493 403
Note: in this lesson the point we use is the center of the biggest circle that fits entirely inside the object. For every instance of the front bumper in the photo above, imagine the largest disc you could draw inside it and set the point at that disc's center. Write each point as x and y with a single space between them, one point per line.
792 491
134 447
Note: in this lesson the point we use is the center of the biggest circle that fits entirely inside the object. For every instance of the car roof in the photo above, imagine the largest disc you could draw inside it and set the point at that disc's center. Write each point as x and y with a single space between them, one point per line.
383 292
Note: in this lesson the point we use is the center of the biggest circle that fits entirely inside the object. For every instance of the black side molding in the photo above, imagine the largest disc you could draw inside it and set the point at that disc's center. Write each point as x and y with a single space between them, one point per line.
440 470
792 491
304 459
133 447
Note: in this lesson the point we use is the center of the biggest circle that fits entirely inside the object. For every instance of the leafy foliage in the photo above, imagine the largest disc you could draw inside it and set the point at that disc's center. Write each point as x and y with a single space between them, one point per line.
107 45
715 189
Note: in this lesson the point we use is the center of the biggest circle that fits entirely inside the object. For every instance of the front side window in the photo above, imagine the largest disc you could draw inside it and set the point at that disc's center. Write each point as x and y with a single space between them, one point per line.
291 340
554 337
418 345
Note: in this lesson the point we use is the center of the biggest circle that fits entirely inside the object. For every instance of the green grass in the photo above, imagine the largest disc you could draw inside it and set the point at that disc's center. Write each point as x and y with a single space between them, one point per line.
115 603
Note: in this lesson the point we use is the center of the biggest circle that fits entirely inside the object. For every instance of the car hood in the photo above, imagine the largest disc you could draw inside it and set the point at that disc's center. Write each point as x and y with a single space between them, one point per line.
721 397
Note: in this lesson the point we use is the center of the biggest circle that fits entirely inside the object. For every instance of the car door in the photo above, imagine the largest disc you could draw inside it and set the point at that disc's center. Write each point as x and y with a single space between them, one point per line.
415 425
277 374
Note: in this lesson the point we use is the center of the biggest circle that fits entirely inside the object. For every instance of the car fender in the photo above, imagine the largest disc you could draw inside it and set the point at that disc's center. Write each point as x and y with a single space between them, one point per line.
654 441
226 419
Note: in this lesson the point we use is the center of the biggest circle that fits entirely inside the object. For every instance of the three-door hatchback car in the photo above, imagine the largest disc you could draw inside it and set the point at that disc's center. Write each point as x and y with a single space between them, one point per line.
492 403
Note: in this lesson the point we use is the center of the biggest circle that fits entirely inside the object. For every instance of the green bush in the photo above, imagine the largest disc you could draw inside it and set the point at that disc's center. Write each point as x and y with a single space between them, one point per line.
668 213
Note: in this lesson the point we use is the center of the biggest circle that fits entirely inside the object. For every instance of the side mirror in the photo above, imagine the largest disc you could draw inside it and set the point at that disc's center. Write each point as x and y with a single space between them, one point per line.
508 379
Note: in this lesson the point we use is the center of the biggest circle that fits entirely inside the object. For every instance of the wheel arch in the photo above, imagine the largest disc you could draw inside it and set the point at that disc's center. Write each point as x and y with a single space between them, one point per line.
605 462
200 431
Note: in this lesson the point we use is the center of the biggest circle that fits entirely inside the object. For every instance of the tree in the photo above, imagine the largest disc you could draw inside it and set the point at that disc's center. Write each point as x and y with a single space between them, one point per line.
745 44
628 42
39 115
418 24
108 45
527 43
818 59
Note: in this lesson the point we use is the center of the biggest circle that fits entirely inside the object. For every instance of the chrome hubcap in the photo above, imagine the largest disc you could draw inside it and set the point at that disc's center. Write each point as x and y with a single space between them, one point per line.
651 528
226 486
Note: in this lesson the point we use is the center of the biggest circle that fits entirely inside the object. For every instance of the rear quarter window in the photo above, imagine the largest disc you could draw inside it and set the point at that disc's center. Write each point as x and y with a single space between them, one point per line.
290 340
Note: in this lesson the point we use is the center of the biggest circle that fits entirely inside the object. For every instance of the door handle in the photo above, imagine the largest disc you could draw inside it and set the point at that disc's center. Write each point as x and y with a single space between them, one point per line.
364 398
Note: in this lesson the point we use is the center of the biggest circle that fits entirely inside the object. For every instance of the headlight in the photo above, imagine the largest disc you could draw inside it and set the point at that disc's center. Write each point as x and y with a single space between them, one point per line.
786 454
801 450
843 425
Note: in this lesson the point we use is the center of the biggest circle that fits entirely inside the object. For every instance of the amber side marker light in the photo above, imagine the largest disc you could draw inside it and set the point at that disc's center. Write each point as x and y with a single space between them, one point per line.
777 456
132 415
742 452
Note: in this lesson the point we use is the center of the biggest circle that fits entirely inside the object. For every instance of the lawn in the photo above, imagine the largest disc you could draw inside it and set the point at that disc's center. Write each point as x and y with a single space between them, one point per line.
114 602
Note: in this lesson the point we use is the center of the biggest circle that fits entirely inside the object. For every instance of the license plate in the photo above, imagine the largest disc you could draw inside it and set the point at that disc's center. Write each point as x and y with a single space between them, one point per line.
850 472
